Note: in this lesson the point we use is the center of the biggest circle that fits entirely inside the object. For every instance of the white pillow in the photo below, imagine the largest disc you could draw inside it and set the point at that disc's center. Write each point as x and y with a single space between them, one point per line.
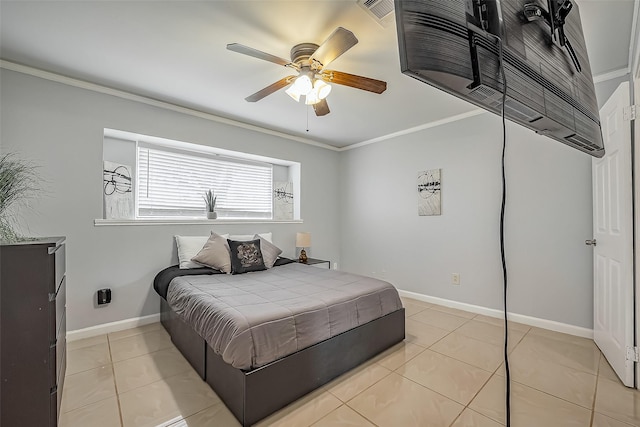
245 237
188 247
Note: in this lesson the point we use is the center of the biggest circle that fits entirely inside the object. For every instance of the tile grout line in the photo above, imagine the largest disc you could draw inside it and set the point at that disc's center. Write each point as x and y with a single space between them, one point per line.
367 388
387 375
595 392
529 332
200 411
361 414
89 369
473 398
476 395
495 372
551 395
170 345
457 416
81 372
430 389
459 360
115 383
156 328
188 369
438 327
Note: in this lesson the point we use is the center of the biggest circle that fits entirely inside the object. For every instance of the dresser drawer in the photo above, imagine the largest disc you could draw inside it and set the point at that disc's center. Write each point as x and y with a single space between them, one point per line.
55 398
61 345
60 263
53 374
61 302
56 358
57 308
62 367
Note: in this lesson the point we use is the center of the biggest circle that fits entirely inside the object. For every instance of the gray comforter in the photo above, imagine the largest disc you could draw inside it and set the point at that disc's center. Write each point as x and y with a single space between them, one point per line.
255 318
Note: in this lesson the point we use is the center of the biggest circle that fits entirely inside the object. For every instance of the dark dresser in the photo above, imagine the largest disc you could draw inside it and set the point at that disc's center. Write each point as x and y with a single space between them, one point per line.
32 332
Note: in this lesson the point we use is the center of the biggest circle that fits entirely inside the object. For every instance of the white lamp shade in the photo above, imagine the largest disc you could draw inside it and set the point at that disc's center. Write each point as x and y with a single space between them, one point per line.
322 89
303 84
293 93
312 97
303 240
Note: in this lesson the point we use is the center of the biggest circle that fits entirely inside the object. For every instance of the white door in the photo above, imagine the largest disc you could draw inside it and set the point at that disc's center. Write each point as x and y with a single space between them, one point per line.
636 162
614 321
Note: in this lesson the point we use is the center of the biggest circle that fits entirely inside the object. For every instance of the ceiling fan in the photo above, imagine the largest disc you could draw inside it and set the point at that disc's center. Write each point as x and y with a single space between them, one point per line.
310 60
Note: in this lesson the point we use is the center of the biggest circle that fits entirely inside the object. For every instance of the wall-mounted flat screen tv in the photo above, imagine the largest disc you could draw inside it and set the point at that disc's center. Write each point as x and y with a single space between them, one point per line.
452 45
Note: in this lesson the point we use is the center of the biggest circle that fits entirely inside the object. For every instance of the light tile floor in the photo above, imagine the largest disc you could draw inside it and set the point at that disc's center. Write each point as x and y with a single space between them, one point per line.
448 372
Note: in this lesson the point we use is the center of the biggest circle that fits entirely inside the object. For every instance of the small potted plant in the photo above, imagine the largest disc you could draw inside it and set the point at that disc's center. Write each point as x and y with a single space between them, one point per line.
210 200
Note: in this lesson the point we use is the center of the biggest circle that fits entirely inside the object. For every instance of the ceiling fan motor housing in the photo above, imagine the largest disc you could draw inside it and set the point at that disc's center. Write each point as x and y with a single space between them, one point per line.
301 53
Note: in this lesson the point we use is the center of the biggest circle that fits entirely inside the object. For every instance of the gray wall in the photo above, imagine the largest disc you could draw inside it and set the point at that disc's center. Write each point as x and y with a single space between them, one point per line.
606 88
548 218
359 205
61 128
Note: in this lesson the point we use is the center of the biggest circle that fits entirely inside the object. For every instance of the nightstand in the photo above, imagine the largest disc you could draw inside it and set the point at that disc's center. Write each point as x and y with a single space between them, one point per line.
316 262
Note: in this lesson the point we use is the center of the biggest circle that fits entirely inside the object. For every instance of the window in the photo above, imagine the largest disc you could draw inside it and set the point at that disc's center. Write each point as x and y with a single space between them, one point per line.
171 177
172 183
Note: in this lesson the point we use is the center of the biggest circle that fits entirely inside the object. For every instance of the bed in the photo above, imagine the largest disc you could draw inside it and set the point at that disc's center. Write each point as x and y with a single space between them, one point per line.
287 330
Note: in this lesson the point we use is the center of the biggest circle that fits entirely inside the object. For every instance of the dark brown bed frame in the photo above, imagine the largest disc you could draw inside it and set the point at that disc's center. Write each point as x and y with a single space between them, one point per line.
252 395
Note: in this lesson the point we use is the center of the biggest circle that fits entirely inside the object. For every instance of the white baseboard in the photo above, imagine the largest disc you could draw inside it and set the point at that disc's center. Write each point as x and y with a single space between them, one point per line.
105 328
520 318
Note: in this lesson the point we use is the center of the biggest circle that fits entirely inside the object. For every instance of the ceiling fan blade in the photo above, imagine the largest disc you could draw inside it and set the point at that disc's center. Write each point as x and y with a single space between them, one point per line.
352 80
270 89
340 41
321 108
246 50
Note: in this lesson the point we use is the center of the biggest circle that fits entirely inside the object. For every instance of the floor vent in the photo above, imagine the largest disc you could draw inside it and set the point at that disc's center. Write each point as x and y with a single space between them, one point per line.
379 10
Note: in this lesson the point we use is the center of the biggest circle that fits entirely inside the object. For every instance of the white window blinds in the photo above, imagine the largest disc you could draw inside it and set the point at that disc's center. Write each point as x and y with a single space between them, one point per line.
171 183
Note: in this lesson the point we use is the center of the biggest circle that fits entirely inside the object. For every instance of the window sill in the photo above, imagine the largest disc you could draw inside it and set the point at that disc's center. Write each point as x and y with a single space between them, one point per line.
164 221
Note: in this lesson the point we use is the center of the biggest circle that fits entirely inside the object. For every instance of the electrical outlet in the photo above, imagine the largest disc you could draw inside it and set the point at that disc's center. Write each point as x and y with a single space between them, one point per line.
335 266
104 296
455 279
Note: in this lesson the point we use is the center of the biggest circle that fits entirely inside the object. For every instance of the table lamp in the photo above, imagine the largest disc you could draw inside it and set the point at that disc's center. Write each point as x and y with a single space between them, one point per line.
303 240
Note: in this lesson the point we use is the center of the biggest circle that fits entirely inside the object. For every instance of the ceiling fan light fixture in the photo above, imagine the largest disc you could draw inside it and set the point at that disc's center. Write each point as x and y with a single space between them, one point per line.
322 89
302 85
312 97
293 93
310 61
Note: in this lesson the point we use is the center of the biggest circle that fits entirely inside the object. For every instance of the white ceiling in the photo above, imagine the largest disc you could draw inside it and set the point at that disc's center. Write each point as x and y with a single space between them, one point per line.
174 51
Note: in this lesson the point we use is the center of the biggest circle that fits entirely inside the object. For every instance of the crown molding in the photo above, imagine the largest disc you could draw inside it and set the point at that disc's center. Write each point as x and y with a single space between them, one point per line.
82 84
94 87
429 125
611 75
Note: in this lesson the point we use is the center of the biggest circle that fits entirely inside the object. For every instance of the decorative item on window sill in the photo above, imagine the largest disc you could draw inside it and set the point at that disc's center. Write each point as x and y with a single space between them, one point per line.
210 200
303 240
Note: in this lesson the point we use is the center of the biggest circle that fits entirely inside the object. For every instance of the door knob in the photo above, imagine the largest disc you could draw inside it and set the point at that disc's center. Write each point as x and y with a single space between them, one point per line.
590 242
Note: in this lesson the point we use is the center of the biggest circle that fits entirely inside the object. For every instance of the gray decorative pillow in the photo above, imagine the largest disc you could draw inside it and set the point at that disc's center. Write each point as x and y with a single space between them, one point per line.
270 252
215 254
245 256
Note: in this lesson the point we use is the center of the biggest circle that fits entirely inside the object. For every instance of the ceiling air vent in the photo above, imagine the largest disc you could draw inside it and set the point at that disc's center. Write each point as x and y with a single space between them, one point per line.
379 10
